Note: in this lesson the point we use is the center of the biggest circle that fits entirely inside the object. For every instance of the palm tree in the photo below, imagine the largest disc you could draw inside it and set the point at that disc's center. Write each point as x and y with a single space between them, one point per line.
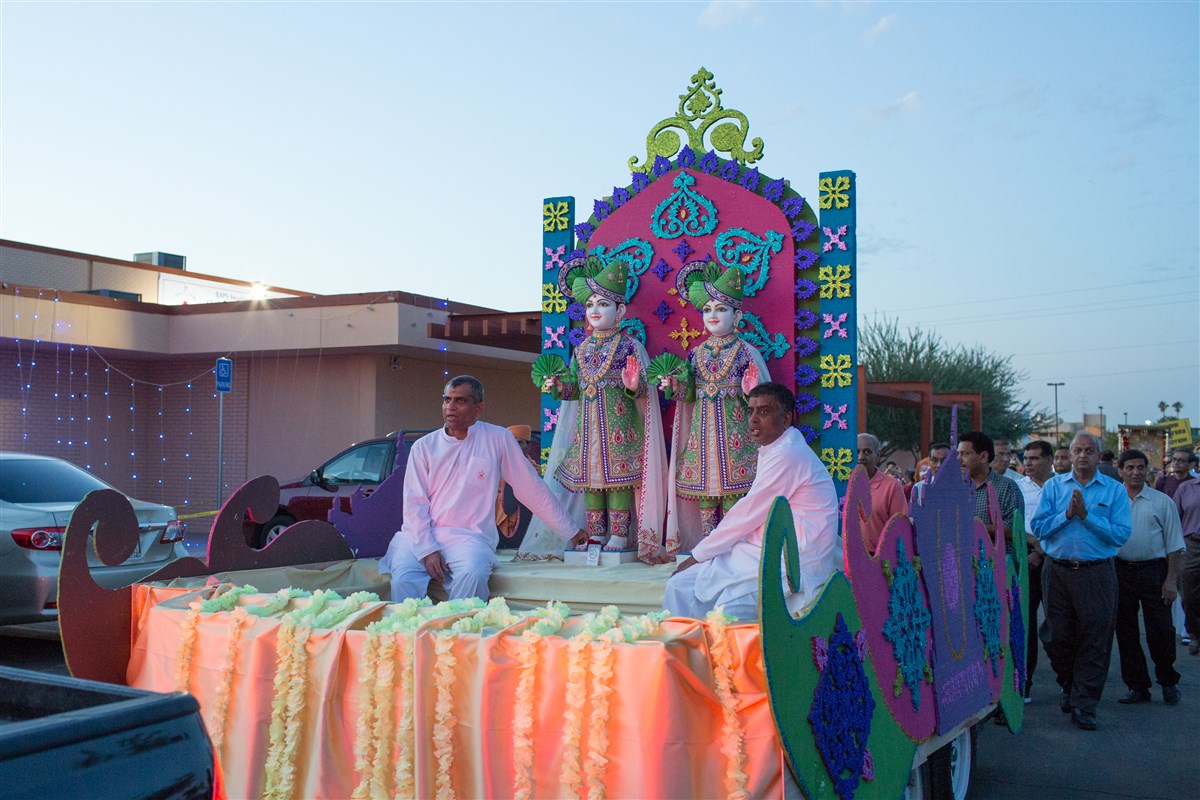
1178 406
1162 407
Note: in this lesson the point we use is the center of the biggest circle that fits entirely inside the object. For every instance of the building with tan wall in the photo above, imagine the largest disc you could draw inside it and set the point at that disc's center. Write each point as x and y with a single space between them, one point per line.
126 388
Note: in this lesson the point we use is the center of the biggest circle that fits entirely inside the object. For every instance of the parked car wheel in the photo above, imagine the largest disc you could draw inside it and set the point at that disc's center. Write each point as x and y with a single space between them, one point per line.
273 527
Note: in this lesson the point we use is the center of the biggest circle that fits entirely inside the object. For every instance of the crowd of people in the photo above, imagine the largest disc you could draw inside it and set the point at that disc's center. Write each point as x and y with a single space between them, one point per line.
1105 547
1107 541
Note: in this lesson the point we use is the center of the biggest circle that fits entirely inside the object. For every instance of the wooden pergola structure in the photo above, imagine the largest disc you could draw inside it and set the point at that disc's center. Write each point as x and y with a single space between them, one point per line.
917 395
520 331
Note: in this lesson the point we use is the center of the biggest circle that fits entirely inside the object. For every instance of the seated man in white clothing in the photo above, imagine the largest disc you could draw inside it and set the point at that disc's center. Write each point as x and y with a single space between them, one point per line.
723 569
449 530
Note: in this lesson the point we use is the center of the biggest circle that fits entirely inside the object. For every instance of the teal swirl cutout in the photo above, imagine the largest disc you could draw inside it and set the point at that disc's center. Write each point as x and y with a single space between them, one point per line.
738 247
752 330
635 328
684 211
635 252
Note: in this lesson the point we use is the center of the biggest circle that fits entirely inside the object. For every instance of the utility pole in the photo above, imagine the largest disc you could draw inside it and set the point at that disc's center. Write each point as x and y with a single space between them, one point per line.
1103 427
1057 426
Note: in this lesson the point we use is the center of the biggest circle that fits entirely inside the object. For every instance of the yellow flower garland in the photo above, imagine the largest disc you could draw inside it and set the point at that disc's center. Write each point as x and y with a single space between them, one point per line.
577 654
733 739
364 744
444 719
549 622
224 690
187 642
597 760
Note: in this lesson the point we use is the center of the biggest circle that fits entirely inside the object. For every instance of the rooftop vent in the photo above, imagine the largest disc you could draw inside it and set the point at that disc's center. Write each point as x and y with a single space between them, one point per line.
162 260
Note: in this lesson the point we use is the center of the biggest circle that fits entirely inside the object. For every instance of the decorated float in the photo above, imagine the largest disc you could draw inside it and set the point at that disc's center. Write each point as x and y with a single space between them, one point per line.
571 682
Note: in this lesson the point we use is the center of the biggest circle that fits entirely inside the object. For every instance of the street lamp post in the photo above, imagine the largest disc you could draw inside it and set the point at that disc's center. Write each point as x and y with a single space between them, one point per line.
1057 428
1126 413
1103 427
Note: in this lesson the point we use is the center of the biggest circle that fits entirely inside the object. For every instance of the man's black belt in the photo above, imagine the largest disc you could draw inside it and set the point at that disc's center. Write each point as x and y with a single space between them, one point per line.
1068 564
1143 563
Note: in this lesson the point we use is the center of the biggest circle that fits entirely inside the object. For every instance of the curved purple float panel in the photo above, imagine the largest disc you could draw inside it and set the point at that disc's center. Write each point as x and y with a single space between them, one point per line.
894 608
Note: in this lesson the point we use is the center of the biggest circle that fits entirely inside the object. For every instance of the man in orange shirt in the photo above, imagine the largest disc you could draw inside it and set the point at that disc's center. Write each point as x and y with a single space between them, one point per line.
887 495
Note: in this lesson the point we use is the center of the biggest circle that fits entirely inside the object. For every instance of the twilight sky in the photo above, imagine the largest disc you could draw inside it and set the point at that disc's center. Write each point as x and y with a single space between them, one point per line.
1028 173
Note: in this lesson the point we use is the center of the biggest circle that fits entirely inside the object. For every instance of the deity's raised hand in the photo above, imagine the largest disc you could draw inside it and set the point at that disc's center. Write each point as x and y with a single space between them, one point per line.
631 374
750 378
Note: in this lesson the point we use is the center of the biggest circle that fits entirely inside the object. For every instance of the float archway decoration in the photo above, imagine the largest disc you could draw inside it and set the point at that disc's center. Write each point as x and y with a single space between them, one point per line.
698 195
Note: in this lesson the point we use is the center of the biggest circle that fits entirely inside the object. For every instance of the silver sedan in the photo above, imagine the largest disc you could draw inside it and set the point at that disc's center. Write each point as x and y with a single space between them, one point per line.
37 496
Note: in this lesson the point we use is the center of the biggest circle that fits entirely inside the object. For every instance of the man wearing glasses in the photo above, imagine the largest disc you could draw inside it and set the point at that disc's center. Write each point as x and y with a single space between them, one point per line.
1081 521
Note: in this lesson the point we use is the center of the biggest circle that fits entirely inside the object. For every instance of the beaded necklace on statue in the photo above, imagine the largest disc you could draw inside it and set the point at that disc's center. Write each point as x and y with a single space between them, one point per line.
595 358
715 367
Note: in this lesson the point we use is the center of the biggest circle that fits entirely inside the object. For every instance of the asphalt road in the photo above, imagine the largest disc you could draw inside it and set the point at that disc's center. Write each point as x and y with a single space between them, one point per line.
1145 751
1140 752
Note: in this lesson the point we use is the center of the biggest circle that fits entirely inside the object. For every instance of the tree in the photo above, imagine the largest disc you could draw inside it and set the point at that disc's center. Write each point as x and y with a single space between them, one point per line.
1163 405
890 354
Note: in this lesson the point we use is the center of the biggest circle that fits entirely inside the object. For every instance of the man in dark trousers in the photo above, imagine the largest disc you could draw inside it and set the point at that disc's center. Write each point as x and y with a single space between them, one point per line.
1147 566
1081 521
1038 470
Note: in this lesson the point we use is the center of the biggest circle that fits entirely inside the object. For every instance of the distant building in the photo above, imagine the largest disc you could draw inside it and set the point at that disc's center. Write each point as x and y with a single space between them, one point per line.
101 364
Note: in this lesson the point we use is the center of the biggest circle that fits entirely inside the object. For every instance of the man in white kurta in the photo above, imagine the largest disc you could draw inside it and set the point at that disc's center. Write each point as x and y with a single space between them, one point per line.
723 569
449 529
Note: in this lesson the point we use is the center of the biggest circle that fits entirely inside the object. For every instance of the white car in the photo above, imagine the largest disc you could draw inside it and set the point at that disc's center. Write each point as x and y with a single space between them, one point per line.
37 496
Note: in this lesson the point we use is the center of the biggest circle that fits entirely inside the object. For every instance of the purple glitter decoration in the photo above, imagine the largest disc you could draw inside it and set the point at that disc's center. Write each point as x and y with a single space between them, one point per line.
805 319
683 250
620 196
663 311
601 210
806 402
575 311
810 433
687 157
841 713
709 163
806 375
661 166
806 346
576 336
729 172
662 269
792 207
578 252
802 229
749 180
805 288
584 231
804 258
950 585
640 181
774 190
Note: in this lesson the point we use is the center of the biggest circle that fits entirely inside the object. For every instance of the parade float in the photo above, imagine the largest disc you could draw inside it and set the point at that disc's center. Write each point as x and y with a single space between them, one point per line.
571 682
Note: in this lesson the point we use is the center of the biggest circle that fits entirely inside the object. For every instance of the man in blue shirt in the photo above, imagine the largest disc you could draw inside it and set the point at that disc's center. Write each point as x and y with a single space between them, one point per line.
1081 521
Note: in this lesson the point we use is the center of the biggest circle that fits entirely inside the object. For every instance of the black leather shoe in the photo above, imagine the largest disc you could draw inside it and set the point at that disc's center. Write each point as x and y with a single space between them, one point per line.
1064 703
1084 720
1140 696
1171 695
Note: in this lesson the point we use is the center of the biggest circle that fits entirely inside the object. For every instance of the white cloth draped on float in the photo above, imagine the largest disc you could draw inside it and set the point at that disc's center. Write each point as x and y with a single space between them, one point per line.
649 497
683 513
